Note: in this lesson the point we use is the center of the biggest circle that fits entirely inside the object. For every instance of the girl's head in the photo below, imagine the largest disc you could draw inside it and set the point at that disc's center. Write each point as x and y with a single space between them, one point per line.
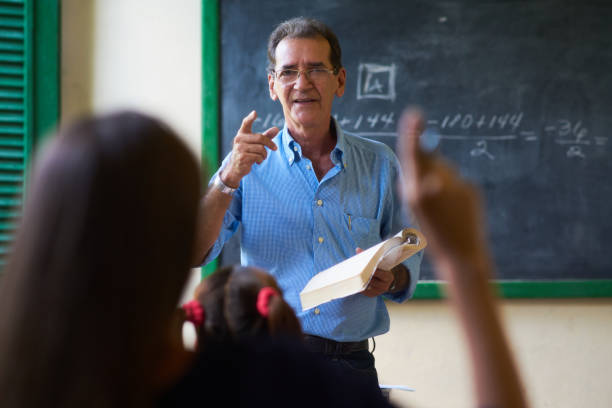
100 261
245 301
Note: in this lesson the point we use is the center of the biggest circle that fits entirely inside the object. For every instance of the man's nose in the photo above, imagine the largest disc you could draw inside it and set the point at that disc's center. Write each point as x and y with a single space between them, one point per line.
302 81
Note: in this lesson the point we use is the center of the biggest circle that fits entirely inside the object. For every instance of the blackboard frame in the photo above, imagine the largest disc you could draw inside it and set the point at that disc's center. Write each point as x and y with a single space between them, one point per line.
211 143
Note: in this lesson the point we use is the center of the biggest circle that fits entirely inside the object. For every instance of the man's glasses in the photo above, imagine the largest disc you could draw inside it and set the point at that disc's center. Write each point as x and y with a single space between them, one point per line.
290 76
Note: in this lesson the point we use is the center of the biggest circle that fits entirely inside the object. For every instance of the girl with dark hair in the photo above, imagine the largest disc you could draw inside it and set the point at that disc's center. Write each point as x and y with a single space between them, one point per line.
98 266
241 301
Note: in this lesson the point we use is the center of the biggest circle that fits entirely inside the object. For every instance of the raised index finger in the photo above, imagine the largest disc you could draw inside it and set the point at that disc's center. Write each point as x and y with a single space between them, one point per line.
247 123
411 125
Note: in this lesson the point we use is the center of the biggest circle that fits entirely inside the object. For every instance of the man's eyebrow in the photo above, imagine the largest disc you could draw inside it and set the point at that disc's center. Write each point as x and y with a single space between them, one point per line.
309 65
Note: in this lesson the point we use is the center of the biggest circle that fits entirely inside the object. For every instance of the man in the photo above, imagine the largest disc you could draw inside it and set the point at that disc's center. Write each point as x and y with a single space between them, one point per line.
311 196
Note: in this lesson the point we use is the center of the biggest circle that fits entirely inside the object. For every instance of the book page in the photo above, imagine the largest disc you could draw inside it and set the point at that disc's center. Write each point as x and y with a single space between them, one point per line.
346 269
353 274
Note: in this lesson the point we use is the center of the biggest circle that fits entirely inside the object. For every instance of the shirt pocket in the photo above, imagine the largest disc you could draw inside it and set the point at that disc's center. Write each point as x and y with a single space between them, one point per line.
364 231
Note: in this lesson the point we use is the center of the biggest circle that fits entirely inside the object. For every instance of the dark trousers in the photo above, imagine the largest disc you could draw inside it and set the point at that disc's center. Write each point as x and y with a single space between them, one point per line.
353 356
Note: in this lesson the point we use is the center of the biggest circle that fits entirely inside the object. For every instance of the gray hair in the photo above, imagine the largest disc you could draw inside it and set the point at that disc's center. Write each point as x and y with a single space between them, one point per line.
303 27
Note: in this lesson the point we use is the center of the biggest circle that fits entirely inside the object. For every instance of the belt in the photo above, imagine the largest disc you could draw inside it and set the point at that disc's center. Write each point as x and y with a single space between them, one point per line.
327 346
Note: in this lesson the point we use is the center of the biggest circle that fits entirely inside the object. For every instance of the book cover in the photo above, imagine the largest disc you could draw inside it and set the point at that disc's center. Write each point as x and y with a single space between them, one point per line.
353 274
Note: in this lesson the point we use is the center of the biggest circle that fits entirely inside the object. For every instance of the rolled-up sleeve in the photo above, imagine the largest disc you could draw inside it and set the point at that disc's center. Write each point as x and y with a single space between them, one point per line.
231 220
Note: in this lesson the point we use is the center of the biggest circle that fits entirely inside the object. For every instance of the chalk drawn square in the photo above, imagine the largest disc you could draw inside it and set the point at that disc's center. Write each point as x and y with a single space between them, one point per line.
376 81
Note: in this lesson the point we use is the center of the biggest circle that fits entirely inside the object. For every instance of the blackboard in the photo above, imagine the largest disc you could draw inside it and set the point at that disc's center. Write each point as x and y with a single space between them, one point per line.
520 93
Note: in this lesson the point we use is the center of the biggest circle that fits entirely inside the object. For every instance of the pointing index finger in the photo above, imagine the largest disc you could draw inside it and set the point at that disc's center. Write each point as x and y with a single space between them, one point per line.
247 122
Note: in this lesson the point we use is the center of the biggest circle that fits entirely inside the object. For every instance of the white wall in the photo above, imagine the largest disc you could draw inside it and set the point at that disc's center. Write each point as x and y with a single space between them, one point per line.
135 54
138 54
146 55
562 347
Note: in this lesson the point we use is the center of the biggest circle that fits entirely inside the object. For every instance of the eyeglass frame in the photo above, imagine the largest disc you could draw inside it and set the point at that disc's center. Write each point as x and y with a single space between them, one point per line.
333 71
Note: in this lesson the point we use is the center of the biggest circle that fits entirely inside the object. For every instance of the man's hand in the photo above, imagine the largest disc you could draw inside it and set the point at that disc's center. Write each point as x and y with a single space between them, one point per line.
248 148
380 283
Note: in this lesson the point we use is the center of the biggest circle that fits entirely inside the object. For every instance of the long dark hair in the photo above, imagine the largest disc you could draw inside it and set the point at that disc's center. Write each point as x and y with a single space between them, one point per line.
99 264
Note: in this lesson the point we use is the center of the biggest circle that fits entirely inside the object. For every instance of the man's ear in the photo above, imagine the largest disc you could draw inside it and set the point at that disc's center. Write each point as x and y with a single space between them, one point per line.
273 94
341 82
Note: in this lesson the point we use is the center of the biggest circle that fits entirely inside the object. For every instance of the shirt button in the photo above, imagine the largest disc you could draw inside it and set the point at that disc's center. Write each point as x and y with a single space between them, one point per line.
317 311
295 149
320 240
319 202
308 167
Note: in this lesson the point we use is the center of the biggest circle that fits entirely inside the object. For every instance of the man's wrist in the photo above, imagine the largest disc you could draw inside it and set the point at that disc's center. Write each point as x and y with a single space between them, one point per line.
393 284
401 279
222 187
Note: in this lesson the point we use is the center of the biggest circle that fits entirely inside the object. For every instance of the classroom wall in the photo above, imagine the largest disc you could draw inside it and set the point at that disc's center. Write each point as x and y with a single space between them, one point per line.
134 54
146 55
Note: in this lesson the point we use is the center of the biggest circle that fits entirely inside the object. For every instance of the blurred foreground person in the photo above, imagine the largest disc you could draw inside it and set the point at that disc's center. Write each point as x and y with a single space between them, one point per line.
450 214
98 266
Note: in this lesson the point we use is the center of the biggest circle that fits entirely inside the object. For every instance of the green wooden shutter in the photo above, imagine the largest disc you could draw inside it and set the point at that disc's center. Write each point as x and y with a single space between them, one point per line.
15 100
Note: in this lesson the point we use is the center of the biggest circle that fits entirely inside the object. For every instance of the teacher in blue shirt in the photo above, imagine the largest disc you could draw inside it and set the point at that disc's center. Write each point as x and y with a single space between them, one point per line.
309 196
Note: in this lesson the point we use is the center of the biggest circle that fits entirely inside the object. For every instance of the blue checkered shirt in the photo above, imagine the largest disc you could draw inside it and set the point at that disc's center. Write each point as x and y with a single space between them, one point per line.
294 225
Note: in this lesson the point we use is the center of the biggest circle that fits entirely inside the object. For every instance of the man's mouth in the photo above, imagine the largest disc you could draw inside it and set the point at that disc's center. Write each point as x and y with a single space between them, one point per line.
304 100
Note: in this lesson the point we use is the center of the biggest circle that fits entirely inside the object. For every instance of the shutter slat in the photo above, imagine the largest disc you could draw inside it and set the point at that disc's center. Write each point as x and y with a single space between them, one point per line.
9 213
10 190
11 178
11 94
10 202
12 58
12 82
6 238
11 166
11 117
10 154
11 130
17 71
11 143
12 106
12 34
11 22
11 46
10 11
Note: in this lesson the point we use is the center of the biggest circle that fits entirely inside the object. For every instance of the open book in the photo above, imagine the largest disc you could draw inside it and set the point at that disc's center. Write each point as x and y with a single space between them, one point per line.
353 274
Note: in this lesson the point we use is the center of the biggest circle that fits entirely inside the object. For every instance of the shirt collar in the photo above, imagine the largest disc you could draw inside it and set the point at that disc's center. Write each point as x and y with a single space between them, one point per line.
293 150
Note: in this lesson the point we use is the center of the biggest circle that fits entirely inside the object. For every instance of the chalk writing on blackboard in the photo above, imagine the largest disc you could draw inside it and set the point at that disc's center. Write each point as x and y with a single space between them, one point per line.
376 81
481 150
480 131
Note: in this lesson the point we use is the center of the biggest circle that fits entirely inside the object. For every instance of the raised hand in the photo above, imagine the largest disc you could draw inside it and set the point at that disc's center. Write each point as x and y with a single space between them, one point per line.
448 208
248 148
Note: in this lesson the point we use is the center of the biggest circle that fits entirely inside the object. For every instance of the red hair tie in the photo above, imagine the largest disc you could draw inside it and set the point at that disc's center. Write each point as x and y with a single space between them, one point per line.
263 300
194 312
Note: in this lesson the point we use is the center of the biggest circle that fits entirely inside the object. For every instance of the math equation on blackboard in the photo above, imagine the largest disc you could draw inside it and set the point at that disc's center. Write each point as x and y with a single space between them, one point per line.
476 132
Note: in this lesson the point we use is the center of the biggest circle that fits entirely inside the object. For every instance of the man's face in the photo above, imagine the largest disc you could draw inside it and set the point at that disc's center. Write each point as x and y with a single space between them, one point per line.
306 103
